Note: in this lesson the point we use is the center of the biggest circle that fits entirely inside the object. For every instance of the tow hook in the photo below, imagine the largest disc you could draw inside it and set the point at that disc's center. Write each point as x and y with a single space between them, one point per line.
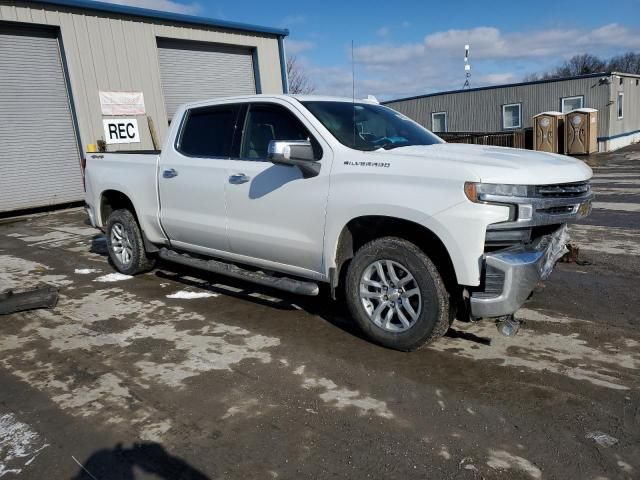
508 325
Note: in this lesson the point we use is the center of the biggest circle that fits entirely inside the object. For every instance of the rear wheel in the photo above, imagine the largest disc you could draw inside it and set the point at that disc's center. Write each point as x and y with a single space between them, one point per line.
125 244
396 295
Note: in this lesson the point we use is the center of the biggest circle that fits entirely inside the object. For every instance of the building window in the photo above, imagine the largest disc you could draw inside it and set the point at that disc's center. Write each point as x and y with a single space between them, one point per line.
571 103
620 105
439 122
512 116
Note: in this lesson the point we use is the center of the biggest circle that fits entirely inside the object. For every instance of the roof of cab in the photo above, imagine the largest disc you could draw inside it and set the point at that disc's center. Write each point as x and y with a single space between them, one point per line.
266 96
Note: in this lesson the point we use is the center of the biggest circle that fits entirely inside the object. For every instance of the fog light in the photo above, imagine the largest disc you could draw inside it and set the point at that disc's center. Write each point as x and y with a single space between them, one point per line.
525 212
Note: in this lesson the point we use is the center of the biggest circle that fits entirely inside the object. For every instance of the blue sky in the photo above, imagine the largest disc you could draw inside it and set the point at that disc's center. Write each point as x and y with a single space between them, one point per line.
410 47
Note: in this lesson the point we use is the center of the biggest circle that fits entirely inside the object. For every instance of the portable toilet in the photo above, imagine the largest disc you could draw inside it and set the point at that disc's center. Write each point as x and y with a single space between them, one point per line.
581 131
548 132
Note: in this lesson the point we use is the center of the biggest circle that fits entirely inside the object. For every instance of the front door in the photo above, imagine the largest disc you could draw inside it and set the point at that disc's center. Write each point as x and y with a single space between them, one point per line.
274 213
192 178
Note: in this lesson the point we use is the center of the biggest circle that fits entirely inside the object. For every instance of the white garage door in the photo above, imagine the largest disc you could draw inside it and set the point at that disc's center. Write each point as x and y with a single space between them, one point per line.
39 157
192 71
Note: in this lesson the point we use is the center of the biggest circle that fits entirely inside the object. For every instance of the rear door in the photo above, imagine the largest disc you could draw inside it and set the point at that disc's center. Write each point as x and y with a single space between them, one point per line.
274 213
192 178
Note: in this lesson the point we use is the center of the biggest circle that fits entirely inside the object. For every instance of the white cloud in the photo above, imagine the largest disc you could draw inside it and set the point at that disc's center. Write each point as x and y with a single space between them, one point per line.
294 47
383 31
490 43
391 70
162 5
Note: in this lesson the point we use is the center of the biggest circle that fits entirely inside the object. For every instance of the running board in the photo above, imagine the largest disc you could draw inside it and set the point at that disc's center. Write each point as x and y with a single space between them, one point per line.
298 287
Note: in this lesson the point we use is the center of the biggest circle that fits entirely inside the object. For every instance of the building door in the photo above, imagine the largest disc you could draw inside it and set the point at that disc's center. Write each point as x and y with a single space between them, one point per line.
39 156
193 71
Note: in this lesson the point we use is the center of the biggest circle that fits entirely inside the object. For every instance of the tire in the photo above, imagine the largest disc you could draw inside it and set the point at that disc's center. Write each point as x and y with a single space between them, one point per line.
417 282
123 230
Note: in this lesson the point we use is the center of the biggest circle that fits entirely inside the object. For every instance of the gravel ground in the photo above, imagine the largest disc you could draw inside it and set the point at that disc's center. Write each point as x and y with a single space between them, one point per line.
179 374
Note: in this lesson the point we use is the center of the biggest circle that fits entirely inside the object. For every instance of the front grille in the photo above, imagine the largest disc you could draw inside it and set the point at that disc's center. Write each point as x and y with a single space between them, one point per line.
562 190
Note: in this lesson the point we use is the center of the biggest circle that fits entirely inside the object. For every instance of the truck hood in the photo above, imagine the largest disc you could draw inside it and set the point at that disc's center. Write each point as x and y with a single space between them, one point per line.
501 164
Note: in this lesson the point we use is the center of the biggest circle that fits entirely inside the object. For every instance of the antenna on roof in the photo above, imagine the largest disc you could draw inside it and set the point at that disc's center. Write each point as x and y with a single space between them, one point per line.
353 92
467 68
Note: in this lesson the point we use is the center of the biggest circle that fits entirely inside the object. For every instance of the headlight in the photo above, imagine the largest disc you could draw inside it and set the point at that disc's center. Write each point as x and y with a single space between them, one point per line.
479 192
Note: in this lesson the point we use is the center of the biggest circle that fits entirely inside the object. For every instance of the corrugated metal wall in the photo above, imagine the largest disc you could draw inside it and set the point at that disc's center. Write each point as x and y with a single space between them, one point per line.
112 52
193 71
481 110
631 122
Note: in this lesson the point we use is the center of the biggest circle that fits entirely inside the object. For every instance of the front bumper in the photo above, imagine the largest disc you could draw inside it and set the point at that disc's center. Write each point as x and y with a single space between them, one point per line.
520 268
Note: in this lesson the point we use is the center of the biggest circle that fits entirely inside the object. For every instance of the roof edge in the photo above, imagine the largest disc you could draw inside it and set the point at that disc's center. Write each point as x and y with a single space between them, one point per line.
622 74
506 85
169 16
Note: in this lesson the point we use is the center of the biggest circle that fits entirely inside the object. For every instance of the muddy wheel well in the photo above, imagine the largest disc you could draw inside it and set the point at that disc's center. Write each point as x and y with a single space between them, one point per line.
362 230
112 200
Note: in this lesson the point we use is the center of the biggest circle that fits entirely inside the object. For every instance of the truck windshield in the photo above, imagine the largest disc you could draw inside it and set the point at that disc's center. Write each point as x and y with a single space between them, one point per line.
364 126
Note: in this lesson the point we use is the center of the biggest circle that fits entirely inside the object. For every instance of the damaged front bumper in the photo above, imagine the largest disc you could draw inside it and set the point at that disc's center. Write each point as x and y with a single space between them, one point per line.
511 274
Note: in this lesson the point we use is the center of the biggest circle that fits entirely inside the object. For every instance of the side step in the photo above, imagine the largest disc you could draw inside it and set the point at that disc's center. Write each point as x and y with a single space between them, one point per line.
298 287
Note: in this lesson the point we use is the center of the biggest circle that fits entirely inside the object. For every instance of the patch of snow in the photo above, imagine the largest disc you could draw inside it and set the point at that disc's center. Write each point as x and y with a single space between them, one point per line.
17 441
187 295
113 277
602 439
503 460
85 271
344 397
444 452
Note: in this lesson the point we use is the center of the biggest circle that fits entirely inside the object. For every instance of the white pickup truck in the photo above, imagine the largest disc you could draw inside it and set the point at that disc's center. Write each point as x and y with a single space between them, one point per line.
291 191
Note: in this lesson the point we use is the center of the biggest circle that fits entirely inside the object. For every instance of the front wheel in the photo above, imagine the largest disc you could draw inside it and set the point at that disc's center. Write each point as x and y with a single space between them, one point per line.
396 295
125 244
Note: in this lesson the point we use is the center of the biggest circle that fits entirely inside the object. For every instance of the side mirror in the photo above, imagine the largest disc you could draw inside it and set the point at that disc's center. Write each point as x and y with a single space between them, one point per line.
294 153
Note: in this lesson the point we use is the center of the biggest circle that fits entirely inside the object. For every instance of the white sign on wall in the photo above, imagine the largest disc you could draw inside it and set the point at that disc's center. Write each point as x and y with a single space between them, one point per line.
122 103
121 130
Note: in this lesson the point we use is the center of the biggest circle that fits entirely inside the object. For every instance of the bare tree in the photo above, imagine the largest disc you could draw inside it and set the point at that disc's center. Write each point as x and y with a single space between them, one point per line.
299 81
582 64
586 63
626 63
531 77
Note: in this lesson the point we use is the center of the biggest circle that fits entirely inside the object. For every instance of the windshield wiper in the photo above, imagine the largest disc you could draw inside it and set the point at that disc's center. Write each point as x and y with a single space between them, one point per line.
391 146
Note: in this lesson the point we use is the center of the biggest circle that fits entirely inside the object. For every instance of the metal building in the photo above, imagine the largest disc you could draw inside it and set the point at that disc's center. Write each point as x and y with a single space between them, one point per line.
74 71
616 96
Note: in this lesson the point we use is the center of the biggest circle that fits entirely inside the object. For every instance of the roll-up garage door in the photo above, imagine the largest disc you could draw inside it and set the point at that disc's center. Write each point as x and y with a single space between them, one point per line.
192 71
39 158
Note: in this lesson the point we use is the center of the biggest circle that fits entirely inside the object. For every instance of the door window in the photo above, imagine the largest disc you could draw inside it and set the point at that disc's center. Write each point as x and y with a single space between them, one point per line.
265 123
208 132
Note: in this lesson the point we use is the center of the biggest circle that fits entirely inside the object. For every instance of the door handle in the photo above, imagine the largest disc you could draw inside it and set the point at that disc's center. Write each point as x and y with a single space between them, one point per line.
238 178
172 172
